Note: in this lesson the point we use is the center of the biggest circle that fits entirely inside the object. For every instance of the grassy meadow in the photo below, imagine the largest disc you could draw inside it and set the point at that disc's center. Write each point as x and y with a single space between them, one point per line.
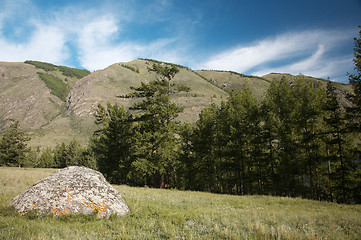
173 214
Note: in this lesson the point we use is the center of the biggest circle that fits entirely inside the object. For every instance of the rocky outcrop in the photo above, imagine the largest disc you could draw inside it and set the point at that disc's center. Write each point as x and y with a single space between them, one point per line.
72 190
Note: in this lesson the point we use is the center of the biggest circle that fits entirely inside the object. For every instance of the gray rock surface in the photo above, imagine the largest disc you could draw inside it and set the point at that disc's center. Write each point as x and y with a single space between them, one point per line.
72 190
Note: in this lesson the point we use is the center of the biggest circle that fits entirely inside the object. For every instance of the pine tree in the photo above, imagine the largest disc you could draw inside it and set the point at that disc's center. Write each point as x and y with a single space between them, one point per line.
13 146
335 139
111 143
46 159
60 156
354 116
308 115
354 111
279 110
269 136
204 149
243 108
156 142
185 169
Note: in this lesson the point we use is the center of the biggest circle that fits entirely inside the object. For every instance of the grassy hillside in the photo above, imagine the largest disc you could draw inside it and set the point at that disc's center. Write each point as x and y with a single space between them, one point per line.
56 104
231 80
25 97
172 214
59 79
116 80
106 85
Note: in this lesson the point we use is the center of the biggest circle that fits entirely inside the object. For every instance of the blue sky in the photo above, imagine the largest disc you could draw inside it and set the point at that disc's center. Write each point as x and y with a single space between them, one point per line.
312 37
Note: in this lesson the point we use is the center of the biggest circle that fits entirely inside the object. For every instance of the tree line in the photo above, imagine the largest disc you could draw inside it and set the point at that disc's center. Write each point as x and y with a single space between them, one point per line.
298 141
14 152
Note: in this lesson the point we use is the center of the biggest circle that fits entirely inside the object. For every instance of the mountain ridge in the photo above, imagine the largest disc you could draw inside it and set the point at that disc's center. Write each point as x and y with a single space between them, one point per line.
49 120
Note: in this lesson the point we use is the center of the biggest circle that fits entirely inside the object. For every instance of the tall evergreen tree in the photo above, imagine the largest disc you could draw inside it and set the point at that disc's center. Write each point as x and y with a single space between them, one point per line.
354 111
354 115
13 146
111 143
156 141
243 130
269 137
186 168
280 110
309 98
46 159
335 139
204 148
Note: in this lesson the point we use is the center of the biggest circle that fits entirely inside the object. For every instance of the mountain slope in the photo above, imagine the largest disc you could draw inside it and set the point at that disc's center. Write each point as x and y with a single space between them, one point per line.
51 118
228 80
25 97
116 80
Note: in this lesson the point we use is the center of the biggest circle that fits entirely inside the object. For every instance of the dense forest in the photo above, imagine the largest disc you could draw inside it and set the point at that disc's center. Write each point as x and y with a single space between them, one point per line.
298 141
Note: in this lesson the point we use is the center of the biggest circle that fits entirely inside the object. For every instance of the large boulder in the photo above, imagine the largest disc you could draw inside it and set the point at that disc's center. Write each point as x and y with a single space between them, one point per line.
72 190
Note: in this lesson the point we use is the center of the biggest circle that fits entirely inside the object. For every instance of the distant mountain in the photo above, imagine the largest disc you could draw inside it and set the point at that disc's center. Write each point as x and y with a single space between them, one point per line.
56 104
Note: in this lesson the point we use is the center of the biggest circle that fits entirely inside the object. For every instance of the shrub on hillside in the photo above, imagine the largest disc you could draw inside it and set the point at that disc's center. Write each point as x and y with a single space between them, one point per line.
56 85
42 65
73 72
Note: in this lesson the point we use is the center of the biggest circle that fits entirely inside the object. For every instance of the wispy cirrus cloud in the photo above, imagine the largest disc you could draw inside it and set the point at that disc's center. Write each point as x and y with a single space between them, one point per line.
317 64
306 52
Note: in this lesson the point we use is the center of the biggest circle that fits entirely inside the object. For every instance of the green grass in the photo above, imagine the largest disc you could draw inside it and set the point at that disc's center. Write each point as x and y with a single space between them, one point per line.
228 80
42 65
172 214
66 71
56 85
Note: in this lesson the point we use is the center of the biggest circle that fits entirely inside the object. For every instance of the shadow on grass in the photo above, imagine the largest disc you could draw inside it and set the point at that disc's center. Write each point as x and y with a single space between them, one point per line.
10 212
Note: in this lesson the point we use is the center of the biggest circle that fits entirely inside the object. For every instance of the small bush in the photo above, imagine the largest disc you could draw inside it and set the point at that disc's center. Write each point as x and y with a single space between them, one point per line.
42 65
73 72
131 68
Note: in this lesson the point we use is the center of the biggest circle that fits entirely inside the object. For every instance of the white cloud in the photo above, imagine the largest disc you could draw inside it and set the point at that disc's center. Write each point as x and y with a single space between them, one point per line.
45 44
298 52
95 33
316 65
97 36
31 38
100 45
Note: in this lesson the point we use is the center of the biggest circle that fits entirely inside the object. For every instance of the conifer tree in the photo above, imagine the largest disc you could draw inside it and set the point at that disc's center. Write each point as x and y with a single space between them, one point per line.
13 146
60 157
186 168
156 142
354 111
204 148
243 108
111 143
279 106
354 115
308 116
46 159
335 139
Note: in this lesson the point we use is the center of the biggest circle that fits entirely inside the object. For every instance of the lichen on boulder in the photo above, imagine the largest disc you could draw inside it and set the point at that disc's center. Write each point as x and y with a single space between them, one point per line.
72 190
